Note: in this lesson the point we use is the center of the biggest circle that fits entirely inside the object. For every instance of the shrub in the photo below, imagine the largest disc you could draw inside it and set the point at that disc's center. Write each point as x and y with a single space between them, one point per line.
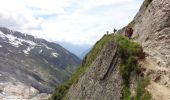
126 67
60 91
141 93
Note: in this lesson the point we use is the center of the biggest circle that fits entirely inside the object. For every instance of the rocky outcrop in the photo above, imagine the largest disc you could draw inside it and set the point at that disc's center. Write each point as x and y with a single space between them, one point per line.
152 31
102 80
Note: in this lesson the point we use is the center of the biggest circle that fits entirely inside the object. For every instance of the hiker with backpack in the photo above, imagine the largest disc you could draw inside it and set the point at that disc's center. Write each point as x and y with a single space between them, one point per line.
115 30
128 32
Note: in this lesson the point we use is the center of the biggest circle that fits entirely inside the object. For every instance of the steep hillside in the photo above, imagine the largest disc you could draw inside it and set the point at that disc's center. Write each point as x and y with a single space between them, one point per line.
117 69
29 66
109 74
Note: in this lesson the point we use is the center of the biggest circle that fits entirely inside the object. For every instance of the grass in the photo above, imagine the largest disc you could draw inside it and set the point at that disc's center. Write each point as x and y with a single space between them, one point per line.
127 47
126 93
128 52
141 93
61 90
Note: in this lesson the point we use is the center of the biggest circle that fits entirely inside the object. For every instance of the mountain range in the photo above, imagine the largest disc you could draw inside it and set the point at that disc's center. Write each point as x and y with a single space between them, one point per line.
29 64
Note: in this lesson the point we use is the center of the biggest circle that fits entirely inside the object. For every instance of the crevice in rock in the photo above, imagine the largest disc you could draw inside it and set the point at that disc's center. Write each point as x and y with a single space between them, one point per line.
111 66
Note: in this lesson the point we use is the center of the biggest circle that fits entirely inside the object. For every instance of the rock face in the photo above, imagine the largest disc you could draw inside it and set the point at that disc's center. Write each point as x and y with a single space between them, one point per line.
152 31
151 27
102 80
30 66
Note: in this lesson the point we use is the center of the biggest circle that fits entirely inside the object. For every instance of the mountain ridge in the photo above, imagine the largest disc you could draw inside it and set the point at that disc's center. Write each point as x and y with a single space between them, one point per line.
33 64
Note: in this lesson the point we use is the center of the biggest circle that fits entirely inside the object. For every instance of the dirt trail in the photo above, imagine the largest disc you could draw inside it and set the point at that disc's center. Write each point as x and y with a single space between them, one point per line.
159 92
160 79
150 65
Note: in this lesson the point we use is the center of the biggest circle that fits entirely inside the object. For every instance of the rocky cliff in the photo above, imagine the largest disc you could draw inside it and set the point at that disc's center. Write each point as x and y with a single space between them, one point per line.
30 68
102 78
101 81
152 31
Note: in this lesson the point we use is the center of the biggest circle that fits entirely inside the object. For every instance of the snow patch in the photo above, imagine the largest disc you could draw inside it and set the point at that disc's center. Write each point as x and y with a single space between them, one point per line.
13 40
40 51
16 42
47 47
28 50
0 46
2 35
55 55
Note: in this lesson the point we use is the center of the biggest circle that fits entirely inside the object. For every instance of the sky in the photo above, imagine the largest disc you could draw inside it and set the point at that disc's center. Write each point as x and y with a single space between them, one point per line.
74 21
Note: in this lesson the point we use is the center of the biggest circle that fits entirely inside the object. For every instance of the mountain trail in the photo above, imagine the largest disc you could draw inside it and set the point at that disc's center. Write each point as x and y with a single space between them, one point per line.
159 85
158 92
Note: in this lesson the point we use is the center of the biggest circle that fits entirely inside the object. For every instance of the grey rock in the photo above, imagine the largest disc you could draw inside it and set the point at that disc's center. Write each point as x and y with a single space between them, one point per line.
101 81
152 30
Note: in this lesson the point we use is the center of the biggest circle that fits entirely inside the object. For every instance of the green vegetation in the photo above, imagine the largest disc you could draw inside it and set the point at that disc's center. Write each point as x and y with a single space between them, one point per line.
61 90
146 3
129 52
127 47
126 93
141 93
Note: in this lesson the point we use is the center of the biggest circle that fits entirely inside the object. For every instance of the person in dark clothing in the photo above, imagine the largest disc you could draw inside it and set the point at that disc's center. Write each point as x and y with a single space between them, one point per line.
128 32
107 32
114 30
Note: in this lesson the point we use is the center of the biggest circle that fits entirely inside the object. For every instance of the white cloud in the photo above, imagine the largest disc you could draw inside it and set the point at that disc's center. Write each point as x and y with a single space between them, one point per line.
79 22
107 2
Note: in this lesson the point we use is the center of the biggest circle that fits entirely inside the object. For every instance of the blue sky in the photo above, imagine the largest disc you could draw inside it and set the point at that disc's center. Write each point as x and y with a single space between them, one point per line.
74 21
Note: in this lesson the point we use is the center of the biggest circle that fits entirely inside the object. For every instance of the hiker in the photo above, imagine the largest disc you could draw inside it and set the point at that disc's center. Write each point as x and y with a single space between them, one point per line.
107 32
115 30
128 32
